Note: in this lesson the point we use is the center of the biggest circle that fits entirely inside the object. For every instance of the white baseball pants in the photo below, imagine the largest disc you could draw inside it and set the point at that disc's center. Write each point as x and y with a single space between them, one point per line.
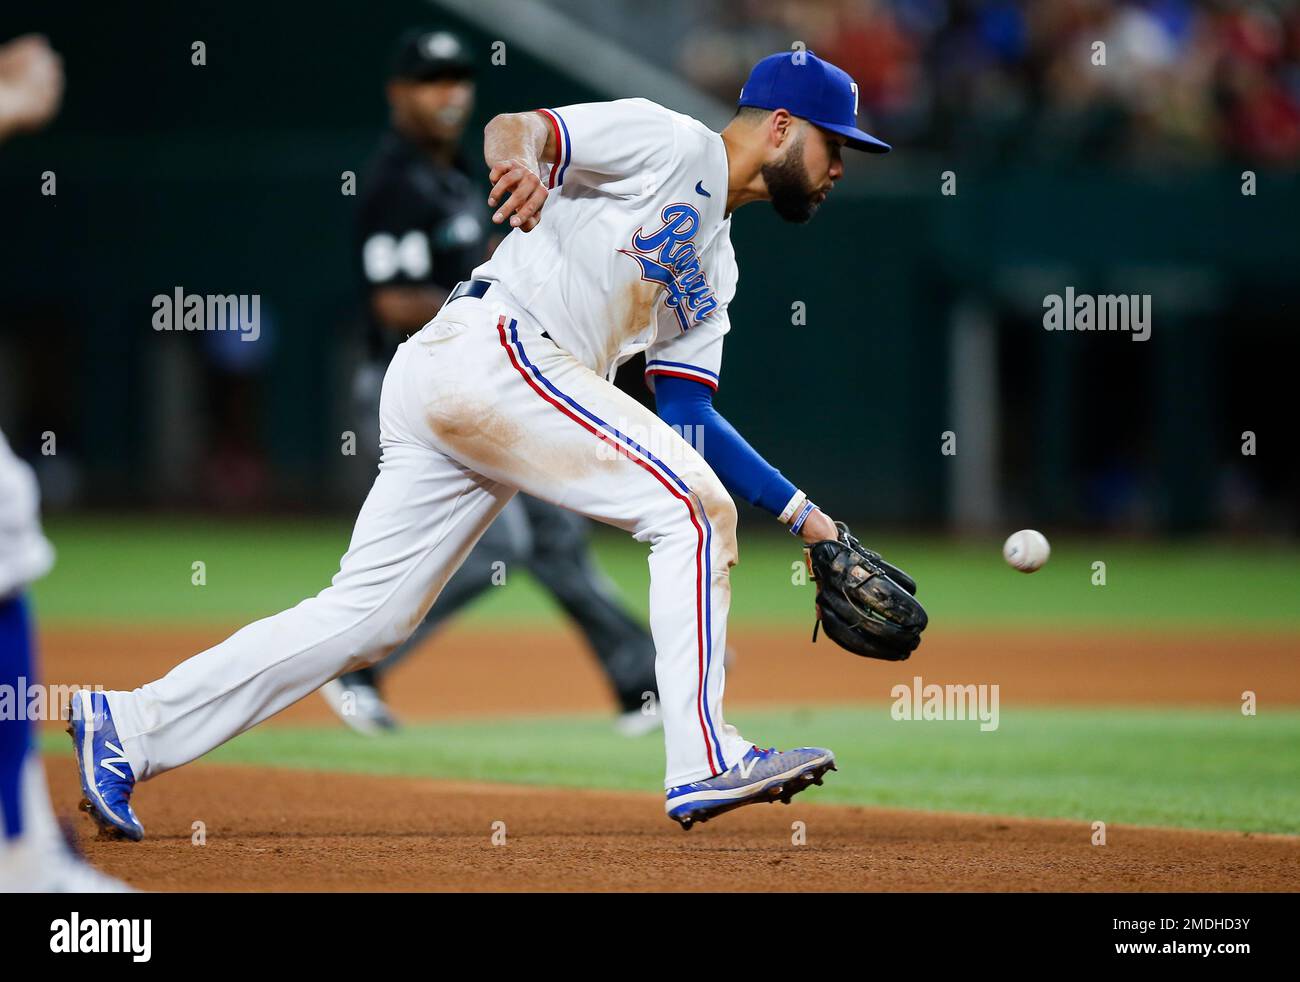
474 407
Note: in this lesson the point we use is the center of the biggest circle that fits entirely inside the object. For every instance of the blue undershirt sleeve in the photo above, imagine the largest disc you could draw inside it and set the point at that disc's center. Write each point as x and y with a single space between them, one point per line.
684 402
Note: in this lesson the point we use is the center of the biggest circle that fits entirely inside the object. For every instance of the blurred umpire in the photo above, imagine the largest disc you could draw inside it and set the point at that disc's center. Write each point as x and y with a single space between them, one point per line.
422 227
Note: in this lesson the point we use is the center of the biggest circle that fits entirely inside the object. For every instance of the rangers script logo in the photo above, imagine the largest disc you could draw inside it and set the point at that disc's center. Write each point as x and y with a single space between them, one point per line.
667 257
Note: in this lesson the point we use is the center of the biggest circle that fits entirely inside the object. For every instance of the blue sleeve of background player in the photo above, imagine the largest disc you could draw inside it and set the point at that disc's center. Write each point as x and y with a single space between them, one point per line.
683 402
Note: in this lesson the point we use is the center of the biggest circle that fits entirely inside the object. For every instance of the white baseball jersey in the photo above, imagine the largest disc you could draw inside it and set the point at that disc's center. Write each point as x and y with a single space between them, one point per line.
633 252
25 555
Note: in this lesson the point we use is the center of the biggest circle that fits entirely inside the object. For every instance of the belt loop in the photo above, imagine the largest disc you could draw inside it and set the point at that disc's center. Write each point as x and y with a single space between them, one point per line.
468 288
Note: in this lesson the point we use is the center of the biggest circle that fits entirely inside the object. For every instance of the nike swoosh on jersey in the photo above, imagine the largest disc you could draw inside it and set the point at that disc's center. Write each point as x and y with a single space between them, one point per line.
699 189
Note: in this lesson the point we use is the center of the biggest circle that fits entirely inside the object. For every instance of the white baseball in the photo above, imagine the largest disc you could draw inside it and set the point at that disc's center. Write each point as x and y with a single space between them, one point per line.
1026 550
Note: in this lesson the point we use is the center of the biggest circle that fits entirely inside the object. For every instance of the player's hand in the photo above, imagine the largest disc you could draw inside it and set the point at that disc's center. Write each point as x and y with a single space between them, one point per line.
519 192
818 527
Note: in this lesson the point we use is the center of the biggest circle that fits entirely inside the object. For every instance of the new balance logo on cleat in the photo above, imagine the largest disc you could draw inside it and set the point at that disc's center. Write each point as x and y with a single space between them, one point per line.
108 762
763 775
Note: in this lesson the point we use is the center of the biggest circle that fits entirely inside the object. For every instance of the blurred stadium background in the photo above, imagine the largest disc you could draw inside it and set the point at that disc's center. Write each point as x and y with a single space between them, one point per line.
1127 178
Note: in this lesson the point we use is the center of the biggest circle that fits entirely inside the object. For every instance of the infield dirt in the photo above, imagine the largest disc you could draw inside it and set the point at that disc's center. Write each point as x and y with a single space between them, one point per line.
270 829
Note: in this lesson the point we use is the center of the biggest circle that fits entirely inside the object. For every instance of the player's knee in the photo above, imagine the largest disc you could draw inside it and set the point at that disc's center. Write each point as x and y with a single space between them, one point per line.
376 625
384 631
720 511
379 646
711 513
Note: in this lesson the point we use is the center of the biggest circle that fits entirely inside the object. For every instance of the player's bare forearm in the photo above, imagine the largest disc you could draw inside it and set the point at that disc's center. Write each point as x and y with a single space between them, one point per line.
402 309
515 145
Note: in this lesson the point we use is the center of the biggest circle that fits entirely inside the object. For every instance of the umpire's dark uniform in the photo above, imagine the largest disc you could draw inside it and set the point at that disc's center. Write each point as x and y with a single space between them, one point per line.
421 222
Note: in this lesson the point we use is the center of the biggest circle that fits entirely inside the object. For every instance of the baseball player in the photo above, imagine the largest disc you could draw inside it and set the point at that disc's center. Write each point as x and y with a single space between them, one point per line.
621 218
33 854
422 227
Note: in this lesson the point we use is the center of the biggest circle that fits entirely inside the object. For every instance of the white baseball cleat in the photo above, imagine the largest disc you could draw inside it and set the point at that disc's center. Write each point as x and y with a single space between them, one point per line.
634 723
761 775
356 701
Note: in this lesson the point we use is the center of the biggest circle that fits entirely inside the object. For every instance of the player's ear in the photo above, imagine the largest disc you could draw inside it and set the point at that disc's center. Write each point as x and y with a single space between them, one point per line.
780 128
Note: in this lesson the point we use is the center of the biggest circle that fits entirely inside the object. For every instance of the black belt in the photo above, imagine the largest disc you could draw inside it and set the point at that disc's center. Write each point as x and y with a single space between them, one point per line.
476 289
469 288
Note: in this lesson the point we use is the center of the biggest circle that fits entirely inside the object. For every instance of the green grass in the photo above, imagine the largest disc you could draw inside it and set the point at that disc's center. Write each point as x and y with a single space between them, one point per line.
1176 767
1194 769
138 571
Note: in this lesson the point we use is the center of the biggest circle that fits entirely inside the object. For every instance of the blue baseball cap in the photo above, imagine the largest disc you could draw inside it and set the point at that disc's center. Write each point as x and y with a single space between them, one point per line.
805 86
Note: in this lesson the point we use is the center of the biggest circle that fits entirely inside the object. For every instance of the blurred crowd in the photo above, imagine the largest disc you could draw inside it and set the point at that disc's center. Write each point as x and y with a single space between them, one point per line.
1183 81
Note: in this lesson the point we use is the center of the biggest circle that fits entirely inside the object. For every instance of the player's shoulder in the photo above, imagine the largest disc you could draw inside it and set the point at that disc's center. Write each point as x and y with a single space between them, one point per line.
693 139
650 111
691 126
683 124
627 116
637 105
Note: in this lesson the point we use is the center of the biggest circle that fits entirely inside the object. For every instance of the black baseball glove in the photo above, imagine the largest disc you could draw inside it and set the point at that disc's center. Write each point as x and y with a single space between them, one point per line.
864 604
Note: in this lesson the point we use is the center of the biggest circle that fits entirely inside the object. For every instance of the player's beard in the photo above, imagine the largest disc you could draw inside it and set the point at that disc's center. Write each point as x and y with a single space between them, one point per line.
793 195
